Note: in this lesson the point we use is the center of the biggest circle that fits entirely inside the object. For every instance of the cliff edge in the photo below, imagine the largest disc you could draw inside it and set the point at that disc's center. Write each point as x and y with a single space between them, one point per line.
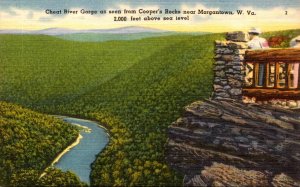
230 143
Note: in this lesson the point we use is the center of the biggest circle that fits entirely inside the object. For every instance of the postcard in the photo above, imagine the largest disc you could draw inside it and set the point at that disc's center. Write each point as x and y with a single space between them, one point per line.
149 93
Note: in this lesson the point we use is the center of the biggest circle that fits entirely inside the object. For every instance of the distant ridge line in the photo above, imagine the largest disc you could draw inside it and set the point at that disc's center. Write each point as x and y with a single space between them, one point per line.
62 31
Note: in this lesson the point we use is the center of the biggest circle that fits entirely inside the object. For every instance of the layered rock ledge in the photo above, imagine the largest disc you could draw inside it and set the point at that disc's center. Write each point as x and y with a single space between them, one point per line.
228 143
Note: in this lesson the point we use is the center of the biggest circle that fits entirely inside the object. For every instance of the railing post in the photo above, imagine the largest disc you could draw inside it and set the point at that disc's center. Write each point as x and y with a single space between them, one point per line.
286 75
276 75
298 87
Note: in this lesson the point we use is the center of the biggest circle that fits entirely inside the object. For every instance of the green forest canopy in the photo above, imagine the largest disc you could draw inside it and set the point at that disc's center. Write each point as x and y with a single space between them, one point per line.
136 88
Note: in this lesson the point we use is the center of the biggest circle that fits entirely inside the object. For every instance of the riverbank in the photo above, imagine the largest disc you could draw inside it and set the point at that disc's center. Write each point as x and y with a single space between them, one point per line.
58 157
79 159
86 119
80 154
77 141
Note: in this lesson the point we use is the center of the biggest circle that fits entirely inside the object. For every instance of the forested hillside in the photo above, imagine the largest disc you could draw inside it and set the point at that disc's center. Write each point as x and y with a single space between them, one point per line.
29 141
135 88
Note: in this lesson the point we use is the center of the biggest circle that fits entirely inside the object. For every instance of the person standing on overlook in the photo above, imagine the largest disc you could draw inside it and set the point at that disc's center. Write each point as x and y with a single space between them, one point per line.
256 42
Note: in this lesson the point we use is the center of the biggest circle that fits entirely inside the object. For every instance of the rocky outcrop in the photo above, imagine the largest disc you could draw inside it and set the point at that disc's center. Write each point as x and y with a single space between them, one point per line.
228 143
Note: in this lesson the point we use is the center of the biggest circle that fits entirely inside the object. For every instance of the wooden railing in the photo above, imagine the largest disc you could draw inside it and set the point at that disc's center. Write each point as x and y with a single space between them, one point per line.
275 72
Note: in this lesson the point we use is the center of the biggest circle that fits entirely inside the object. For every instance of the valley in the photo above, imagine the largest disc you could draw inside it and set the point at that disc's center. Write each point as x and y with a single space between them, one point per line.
135 88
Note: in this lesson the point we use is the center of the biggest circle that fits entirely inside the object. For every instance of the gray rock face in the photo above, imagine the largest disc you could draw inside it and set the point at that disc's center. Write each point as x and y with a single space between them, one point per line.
235 91
237 36
228 143
229 66
194 180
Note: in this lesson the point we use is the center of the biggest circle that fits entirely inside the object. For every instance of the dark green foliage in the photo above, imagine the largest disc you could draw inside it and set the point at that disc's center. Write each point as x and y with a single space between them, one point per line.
52 177
281 39
24 177
55 177
39 71
29 140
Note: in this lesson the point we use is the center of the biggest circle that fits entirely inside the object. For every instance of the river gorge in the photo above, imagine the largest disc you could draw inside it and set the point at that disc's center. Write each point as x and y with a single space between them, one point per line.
92 140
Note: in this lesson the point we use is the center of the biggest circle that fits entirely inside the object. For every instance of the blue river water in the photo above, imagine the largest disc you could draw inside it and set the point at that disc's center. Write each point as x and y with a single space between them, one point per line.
79 158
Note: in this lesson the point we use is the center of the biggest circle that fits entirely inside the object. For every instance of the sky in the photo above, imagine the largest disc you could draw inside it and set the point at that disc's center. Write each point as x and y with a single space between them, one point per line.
269 14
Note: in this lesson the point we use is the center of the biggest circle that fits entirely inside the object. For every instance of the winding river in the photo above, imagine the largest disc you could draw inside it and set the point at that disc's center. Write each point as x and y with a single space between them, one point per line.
79 158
